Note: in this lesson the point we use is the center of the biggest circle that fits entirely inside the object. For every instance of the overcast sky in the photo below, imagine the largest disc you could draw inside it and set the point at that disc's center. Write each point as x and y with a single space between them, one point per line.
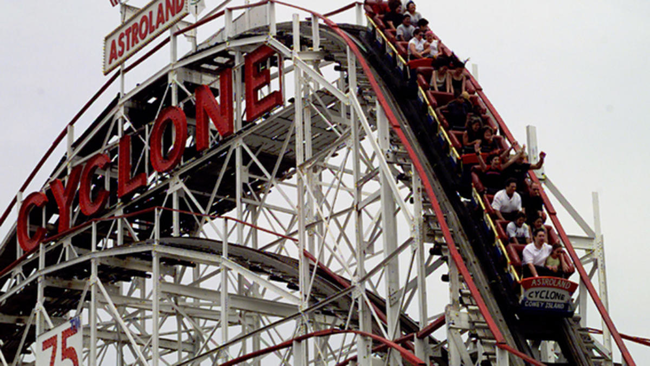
578 70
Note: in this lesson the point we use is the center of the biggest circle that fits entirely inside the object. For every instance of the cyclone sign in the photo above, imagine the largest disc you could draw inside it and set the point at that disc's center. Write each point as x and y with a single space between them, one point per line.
142 28
79 182
547 294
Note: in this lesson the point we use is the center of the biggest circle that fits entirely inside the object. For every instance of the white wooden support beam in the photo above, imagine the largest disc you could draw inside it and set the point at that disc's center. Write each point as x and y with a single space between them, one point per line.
389 230
155 309
118 318
602 275
421 345
273 30
364 344
92 352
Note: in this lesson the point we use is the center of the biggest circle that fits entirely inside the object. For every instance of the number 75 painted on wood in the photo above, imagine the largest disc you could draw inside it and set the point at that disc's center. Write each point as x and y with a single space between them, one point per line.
62 346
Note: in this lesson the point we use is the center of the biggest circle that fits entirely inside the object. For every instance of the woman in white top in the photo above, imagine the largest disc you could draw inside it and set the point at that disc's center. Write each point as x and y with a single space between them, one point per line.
416 45
431 46
410 10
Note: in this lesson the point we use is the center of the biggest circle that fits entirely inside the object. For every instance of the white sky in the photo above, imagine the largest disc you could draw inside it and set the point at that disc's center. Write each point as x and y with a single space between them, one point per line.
575 69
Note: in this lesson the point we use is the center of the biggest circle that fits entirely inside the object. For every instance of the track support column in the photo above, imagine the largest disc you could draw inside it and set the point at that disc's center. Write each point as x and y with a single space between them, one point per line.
599 246
300 348
40 290
225 306
155 307
364 344
389 233
455 319
421 345
502 357
92 351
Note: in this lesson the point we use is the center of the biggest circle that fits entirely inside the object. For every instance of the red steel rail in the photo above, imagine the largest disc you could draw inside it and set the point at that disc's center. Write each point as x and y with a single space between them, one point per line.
635 339
342 9
406 355
435 325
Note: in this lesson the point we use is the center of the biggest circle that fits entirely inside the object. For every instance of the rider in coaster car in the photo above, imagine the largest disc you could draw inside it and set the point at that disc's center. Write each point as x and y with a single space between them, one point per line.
394 17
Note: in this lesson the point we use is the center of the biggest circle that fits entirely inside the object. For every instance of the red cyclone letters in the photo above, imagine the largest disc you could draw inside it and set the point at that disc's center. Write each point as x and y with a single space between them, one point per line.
65 196
207 108
176 116
88 206
126 184
35 199
256 80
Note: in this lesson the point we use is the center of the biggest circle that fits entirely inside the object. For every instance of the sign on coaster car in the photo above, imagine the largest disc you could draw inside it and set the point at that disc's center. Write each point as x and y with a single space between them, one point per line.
547 294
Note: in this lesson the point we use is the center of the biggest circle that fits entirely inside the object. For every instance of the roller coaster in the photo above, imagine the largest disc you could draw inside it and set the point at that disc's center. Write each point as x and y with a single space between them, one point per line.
285 193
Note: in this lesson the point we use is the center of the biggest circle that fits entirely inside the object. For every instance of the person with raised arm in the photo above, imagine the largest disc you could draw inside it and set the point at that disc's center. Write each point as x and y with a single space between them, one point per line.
491 172
519 170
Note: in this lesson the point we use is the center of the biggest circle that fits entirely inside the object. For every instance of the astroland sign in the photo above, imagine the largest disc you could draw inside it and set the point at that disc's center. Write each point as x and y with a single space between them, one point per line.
140 29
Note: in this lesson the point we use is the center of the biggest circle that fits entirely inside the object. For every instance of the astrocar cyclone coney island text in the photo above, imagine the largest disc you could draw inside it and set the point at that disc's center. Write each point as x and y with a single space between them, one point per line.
140 29
547 298
548 293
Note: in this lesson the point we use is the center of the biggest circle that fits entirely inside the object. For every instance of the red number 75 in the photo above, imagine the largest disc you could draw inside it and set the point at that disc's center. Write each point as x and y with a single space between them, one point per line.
67 353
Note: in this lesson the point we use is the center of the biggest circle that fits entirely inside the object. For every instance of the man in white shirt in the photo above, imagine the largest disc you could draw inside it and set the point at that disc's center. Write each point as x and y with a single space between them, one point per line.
507 202
535 254
518 232
405 30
